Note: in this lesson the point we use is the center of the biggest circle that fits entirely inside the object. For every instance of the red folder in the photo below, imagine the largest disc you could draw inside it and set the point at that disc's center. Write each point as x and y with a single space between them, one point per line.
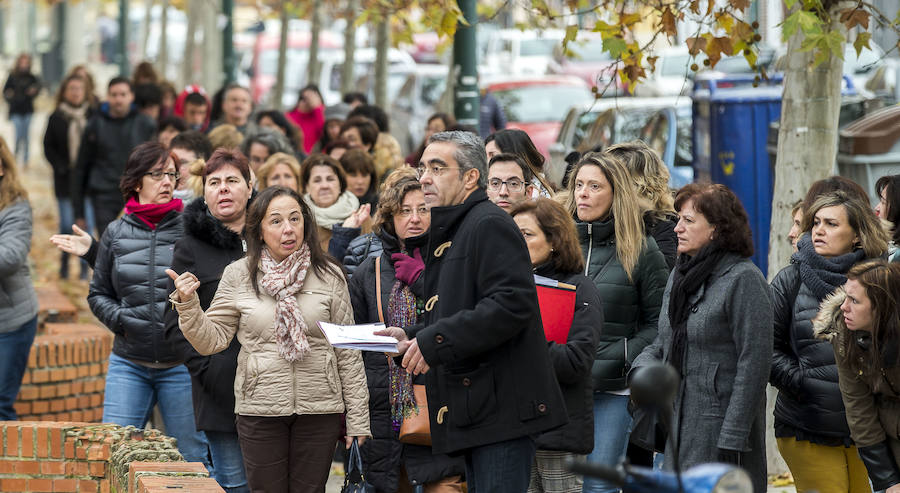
557 311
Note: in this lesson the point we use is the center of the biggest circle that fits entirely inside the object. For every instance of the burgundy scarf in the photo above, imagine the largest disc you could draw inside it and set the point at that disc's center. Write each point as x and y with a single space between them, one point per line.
152 214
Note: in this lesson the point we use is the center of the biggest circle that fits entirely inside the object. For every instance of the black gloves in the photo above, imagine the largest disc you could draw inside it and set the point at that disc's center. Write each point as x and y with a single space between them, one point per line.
880 463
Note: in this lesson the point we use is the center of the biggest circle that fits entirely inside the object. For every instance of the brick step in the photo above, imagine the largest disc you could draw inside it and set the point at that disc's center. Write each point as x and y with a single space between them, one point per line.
66 374
54 306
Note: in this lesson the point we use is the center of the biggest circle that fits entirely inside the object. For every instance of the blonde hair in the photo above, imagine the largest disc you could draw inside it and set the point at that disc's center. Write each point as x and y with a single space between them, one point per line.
225 135
626 210
11 190
649 174
195 179
262 175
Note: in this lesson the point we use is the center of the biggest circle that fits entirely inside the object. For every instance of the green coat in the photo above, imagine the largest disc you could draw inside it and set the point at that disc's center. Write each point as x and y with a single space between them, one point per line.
630 309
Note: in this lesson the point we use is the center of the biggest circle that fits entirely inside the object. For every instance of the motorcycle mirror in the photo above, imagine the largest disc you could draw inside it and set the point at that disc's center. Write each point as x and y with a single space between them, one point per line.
654 385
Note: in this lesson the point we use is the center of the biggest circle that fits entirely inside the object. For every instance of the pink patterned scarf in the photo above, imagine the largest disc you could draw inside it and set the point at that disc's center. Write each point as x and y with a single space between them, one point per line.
282 281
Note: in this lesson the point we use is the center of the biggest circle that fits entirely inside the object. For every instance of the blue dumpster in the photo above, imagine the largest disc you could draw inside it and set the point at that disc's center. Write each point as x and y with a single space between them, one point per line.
731 125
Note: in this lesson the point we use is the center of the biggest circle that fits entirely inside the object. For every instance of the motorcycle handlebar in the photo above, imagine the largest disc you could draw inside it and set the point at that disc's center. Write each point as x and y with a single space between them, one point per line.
615 475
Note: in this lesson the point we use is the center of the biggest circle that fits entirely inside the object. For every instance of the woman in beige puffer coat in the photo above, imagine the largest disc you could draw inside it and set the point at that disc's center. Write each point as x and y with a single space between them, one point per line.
291 385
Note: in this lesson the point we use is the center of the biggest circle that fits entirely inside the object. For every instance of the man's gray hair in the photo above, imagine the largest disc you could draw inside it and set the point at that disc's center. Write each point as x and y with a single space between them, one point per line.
469 152
274 142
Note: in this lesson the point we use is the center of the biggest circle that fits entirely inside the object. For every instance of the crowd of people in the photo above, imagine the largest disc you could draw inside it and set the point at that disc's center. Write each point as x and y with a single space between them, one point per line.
225 234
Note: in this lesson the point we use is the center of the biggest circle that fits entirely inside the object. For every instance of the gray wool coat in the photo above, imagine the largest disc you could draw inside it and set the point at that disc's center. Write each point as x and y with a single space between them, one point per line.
721 401
18 303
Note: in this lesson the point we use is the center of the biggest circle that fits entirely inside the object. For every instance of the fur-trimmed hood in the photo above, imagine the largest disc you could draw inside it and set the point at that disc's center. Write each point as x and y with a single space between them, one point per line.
830 319
199 223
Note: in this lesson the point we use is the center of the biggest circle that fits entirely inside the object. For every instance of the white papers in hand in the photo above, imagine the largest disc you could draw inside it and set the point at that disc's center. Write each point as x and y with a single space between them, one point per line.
359 337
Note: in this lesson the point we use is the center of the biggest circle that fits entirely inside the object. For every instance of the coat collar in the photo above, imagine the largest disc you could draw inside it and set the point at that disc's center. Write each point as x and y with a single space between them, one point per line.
598 232
445 220
200 223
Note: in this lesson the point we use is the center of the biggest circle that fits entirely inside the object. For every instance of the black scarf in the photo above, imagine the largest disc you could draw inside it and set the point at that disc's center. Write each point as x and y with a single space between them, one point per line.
823 275
689 275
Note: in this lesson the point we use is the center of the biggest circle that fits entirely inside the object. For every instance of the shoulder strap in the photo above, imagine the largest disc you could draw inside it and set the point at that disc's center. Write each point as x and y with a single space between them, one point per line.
378 288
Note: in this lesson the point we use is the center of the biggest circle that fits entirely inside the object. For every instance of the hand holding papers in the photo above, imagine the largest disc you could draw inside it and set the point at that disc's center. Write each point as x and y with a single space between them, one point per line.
361 337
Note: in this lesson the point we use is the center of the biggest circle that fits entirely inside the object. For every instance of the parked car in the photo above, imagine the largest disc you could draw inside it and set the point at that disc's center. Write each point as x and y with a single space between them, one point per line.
589 62
673 75
264 67
663 123
413 94
514 52
537 105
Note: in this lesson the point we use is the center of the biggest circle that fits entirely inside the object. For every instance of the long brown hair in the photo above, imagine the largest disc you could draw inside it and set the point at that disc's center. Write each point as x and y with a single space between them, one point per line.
61 94
626 210
881 280
11 190
321 262
873 239
559 229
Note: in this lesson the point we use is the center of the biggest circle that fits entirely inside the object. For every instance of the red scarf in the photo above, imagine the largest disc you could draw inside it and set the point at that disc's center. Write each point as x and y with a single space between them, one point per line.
152 214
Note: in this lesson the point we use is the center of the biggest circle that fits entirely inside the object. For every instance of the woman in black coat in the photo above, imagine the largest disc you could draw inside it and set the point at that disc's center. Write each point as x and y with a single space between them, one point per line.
811 429
20 89
401 214
128 295
212 240
61 142
555 254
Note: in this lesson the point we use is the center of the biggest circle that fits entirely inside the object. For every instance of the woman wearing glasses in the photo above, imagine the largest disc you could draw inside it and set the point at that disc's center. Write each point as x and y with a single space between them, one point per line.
128 294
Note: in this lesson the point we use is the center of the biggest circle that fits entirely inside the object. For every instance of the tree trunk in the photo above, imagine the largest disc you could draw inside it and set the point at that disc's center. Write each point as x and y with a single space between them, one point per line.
347 75
187 61
382 44
162 59
212 76
282 58
145 29
314 67
807 139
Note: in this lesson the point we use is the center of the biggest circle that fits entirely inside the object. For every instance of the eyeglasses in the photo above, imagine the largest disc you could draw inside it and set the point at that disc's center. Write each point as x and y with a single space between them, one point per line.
421 212
434 169
513 184
157 175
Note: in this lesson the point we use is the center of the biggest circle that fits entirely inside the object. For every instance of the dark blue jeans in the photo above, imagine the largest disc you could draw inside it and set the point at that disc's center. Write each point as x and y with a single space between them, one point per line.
14 349
503 467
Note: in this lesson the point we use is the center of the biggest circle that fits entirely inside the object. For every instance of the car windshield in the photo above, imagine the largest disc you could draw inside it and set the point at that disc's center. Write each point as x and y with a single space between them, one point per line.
675 65
538 47
540 103
588 51
861 64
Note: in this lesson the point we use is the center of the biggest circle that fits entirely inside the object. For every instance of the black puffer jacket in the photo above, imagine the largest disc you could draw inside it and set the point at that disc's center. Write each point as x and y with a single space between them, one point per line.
206 248
128 290
663 231
630 309
383 454
361 248
572 363
19 91
809 404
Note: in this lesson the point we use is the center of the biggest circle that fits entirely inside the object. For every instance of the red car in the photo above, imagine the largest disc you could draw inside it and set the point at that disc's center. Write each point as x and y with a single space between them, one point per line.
538 105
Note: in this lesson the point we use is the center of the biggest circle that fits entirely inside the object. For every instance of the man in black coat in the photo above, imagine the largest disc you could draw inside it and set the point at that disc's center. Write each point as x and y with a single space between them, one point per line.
489 380
110 136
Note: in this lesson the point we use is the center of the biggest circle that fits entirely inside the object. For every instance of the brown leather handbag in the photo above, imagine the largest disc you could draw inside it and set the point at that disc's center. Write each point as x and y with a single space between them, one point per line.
415 429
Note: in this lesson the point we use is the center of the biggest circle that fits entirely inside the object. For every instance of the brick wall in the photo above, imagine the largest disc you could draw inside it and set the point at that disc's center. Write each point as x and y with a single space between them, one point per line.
96 458
66 374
